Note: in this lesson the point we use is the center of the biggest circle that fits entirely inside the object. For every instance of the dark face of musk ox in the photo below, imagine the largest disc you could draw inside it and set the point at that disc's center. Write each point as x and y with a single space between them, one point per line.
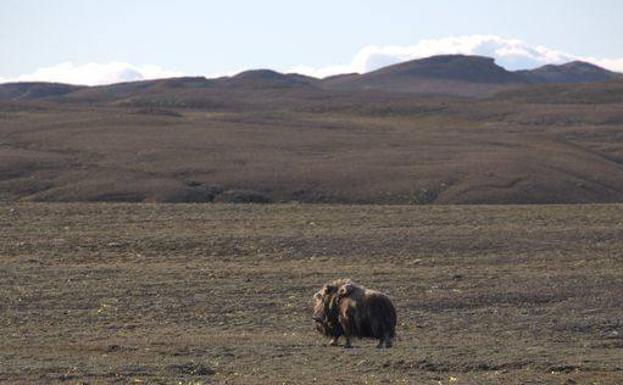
326 312
345 308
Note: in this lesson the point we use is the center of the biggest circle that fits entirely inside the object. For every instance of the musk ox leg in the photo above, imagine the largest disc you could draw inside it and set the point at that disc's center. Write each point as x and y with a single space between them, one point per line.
333 341
389 342
346 329
347 345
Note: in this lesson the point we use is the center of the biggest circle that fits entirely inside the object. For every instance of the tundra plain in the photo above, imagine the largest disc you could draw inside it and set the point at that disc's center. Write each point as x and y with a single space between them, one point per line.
222 294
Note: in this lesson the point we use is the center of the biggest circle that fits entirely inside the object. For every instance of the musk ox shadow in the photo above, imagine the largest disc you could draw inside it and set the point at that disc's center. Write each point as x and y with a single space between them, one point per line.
344 308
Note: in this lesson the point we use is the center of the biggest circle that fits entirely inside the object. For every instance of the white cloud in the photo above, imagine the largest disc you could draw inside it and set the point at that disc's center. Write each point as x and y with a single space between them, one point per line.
95 73
322 72
512 54
611 64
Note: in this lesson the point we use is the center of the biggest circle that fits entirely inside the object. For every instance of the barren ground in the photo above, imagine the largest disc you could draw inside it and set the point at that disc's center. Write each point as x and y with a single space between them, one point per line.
202 294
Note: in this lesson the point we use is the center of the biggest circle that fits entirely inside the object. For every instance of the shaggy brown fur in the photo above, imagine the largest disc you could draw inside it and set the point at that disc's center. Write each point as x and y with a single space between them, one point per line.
345 308
326 310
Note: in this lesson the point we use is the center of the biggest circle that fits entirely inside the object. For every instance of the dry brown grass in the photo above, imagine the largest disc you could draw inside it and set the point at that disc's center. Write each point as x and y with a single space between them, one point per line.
308 145
162 294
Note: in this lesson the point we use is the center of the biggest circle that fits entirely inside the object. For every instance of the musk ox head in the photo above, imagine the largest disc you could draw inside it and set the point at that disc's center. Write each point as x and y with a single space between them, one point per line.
326 309
343 307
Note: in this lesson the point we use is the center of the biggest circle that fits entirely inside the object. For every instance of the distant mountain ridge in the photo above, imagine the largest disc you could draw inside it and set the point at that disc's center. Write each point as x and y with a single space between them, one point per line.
34 90
458 75
569 73
477 69
467 76
446 74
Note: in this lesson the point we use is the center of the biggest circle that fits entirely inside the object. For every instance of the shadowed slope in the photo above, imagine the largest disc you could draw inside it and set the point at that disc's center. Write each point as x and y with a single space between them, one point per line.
448 74
570 73
34 90
262 136
592 93
358 149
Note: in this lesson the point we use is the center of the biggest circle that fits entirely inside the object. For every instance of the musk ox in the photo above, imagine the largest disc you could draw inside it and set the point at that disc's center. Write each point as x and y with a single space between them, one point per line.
344 308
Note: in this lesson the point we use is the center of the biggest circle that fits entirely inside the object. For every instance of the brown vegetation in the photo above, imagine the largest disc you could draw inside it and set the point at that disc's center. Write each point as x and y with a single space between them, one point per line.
265 137
219 294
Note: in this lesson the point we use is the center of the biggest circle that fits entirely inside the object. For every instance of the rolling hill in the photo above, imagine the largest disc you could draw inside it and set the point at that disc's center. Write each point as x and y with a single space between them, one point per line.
465 76
34 90
405 134
569 73
448 75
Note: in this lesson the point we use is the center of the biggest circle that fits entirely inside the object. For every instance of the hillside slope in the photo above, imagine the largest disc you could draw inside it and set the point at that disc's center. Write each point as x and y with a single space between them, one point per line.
448 74
263 136
569 73
304 144
34 90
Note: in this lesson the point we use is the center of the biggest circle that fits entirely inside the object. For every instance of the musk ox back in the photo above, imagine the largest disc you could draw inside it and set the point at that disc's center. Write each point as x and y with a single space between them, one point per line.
346 308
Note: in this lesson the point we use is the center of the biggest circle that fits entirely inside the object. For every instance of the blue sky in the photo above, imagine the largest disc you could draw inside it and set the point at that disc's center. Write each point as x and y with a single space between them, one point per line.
135 39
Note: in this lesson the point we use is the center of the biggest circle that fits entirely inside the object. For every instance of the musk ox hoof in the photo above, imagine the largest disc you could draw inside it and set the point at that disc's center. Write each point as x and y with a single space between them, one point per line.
333 342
